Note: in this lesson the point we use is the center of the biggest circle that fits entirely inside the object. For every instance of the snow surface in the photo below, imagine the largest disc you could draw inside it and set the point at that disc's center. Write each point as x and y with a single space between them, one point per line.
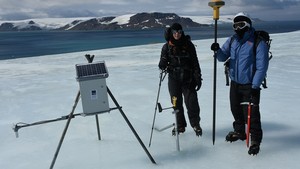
43 88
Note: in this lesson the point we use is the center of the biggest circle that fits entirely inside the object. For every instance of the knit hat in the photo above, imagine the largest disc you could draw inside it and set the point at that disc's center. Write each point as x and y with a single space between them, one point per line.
176 26
242 17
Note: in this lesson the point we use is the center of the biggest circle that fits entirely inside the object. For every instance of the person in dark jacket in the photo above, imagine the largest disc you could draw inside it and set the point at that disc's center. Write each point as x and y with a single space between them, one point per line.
179 57
246 72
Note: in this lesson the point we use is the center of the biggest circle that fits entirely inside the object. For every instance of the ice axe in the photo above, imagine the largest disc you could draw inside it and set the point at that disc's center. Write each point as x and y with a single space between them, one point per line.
249 109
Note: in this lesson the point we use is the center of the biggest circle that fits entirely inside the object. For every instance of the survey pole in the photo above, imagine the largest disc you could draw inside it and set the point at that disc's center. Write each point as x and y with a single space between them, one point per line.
216 5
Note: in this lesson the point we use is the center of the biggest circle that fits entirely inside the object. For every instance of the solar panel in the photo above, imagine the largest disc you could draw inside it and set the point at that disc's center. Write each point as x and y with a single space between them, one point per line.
97 69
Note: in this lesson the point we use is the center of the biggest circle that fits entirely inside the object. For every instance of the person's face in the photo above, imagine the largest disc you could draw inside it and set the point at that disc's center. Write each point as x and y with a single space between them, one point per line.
177 34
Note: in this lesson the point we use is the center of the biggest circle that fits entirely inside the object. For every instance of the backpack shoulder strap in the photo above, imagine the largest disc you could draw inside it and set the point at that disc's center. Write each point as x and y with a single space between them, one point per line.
258 37
257 40
231 40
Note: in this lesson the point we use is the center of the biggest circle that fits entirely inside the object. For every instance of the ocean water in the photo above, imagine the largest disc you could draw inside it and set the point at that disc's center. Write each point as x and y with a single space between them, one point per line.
38 43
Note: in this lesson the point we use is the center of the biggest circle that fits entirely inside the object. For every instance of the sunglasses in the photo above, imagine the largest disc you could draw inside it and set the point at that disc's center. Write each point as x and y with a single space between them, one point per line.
240 25
177 31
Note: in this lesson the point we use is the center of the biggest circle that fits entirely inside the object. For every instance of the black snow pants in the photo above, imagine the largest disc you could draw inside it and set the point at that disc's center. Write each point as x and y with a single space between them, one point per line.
241 93
185 91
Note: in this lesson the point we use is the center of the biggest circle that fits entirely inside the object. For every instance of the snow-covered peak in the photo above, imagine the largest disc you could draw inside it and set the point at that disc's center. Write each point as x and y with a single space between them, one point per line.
123 19
70 23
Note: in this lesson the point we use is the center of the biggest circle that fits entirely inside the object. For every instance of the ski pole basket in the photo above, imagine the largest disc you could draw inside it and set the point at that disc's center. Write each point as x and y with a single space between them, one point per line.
93 89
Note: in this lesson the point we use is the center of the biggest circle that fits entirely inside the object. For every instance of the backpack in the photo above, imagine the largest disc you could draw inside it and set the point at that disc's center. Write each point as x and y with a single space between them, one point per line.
167 34
259 36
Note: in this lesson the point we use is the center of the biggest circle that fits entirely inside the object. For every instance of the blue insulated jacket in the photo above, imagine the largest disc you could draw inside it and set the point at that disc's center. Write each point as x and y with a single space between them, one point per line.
242 59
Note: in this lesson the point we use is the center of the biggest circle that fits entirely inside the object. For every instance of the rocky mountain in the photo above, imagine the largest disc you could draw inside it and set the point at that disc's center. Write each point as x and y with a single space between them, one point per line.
135 21
30 26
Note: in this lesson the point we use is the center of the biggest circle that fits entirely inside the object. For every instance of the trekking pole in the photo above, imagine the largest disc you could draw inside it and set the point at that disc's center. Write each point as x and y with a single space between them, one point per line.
215 4
161 78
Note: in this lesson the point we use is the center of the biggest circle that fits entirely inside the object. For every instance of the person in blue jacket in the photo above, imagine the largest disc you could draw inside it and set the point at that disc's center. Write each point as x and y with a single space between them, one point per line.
247 73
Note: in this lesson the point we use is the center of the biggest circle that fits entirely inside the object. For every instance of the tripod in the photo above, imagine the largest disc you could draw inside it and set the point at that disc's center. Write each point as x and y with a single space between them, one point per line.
72 115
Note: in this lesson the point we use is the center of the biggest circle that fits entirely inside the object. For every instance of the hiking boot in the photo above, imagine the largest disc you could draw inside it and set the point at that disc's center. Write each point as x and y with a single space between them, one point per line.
179 130
234 136
254 149
198 130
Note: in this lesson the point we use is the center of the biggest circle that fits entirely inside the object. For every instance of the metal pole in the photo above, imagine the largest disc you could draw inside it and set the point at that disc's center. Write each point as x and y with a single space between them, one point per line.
176 131
214 87
90 59
65 130
98 127
174 102
131 127
161 78
20 125
215 4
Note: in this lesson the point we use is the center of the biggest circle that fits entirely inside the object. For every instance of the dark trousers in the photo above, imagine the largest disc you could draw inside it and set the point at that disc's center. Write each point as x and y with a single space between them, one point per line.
242 93
185 91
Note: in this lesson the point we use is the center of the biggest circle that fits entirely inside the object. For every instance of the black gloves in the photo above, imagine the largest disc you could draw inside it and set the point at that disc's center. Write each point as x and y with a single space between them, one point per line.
215 47
254 96
198 80
163 63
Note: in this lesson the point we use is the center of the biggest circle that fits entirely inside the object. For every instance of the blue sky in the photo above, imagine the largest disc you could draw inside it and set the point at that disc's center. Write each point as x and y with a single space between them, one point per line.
27 9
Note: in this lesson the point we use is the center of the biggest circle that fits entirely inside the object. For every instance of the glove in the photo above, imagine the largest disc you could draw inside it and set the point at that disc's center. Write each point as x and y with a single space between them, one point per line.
215 46
163 64
254 95
198 80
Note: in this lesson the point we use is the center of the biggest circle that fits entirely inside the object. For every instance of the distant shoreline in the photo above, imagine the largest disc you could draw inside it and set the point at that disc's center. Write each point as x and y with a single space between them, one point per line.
39 43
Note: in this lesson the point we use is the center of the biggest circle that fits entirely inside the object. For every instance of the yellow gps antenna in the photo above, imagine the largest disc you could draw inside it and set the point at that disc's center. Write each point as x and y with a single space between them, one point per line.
215 4
174 100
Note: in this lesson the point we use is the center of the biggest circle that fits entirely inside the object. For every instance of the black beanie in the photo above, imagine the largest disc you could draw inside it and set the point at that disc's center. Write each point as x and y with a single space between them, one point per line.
176 26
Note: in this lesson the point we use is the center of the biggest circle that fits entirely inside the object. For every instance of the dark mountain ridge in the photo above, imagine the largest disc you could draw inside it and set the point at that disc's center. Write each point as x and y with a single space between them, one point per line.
138 21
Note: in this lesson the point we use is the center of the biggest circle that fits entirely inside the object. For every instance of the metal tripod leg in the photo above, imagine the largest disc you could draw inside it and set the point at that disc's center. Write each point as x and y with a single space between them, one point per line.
129 124
98 127
65 130
90 59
